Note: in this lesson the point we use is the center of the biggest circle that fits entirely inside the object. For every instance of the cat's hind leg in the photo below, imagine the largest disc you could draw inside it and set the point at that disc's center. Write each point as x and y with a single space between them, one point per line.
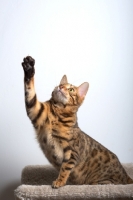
105 182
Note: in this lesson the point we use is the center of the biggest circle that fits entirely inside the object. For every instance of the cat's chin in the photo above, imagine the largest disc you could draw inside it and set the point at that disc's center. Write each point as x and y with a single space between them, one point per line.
60 101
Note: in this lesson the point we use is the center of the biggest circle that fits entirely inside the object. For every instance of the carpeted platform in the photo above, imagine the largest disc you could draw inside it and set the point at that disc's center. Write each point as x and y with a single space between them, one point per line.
36 185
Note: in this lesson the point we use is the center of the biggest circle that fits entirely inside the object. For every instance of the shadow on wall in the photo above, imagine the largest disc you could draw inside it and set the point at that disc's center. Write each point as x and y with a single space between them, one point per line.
8 192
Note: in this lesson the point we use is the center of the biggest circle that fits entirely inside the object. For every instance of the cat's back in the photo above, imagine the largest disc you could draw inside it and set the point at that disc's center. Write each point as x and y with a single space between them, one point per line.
97 164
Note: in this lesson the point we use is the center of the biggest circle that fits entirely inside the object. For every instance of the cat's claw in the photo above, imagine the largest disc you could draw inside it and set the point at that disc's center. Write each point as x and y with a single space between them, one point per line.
28 66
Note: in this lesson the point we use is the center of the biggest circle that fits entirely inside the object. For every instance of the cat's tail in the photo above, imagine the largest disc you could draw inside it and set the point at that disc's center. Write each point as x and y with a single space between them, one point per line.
129 181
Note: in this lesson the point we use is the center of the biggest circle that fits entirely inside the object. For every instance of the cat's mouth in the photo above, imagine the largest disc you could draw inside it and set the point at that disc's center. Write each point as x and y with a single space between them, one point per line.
61 93
59 96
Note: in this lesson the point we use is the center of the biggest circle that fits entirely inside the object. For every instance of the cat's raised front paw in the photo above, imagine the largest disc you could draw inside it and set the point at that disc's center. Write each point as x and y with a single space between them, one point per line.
28 66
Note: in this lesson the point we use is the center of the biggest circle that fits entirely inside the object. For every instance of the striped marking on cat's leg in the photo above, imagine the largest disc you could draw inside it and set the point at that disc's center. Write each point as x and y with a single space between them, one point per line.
67 165
35 109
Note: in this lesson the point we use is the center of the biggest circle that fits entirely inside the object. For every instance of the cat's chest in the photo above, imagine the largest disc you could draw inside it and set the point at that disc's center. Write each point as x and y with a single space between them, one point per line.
51 148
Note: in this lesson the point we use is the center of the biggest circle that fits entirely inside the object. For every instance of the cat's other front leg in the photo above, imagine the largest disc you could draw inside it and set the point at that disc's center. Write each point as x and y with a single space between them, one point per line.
68 164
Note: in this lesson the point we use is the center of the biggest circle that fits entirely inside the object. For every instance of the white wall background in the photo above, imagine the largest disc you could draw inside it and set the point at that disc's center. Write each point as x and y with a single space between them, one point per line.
89 40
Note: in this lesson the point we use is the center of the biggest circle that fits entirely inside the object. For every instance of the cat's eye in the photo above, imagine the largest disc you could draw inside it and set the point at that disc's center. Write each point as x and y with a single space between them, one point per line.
71 89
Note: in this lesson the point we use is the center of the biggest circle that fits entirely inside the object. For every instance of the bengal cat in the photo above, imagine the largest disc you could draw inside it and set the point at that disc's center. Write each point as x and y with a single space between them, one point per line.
78 157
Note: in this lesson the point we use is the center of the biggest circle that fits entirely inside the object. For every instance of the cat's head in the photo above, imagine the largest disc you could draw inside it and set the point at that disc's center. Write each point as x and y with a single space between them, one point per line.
68 94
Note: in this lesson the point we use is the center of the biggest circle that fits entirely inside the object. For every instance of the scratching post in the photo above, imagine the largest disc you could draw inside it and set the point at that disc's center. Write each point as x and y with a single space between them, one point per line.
36 185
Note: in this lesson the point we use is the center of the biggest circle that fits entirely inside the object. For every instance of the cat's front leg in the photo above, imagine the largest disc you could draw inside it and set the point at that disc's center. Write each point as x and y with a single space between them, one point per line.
29 71
68 164
34 108
62 178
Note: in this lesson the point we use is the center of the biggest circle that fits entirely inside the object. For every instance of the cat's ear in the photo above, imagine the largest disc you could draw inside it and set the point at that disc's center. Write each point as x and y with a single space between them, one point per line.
63 80
82 89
